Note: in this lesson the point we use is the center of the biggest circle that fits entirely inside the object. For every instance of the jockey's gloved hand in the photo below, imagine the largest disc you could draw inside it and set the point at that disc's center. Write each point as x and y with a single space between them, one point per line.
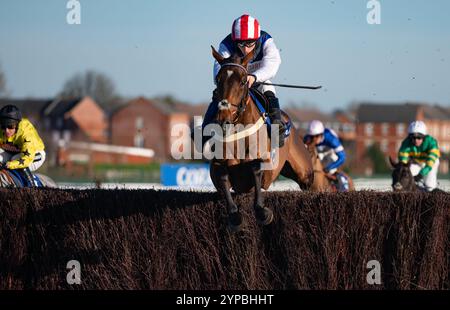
418 178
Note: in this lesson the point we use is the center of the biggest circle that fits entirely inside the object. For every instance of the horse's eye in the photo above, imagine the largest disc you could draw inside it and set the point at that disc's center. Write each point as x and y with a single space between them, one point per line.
244 81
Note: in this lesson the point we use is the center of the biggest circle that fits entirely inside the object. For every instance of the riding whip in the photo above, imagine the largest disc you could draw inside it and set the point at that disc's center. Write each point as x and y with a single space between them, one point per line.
289 86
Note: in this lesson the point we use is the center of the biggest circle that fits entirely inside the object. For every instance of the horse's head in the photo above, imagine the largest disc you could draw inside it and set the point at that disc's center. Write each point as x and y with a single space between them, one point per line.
402 178
312 151
232 87
311 147
315 159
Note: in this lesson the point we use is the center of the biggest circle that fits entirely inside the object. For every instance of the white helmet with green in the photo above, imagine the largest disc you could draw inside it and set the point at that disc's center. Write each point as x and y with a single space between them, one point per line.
418 127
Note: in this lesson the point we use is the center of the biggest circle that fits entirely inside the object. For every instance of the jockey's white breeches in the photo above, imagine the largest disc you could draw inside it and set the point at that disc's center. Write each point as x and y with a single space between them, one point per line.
430 180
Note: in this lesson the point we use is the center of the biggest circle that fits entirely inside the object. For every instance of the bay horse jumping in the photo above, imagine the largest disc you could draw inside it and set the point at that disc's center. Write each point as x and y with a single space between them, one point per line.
237 106
322 181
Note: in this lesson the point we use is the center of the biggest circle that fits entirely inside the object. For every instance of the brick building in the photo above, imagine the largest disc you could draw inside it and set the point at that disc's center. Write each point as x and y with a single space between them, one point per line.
147 123
66 121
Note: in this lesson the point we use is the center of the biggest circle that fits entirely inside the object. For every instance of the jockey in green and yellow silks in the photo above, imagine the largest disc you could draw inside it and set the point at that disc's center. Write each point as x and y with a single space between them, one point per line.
424 151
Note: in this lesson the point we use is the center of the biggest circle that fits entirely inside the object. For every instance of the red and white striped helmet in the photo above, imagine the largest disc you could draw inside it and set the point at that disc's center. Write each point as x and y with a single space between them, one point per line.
245 28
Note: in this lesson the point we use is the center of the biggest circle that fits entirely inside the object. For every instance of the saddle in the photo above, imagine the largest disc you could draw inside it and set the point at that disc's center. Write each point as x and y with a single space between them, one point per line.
262 103
261 98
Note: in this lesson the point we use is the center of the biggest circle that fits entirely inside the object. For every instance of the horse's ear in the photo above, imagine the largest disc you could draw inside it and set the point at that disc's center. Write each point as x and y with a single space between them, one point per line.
393 163
248 57
216 55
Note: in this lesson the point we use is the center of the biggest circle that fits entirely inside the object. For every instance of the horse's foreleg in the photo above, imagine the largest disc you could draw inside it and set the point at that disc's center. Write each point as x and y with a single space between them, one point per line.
234 216
263 214
257 177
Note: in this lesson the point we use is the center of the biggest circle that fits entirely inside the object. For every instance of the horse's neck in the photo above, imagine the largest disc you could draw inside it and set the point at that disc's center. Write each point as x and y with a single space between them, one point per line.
249 117
251 114
317 164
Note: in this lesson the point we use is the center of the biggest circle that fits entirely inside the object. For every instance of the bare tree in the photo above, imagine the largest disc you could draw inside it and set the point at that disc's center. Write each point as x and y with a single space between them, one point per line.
2 83
94 84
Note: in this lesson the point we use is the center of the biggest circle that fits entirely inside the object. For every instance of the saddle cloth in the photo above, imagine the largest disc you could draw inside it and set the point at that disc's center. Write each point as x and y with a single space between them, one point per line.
262 104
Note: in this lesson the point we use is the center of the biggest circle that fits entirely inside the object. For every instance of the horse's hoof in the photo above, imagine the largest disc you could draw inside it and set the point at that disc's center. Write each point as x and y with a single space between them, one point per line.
235 222
264 216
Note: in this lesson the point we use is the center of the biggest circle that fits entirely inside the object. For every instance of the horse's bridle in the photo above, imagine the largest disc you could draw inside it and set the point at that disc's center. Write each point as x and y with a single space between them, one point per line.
242 104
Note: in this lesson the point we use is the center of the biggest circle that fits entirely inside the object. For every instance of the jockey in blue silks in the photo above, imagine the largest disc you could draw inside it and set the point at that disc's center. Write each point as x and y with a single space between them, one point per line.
330 150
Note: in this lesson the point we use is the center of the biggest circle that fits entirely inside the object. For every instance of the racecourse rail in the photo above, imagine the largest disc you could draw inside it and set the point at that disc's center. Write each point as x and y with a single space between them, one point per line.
282 185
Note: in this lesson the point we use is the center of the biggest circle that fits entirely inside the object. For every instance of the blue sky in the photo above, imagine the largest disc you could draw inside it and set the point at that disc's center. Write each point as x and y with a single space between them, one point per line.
152 48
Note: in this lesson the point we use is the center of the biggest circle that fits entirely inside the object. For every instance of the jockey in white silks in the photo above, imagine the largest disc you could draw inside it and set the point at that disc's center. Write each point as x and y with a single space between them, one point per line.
245 37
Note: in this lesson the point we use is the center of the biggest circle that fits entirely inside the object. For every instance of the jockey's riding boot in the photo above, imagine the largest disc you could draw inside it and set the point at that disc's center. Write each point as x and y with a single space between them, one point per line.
342 182
275 115
28 176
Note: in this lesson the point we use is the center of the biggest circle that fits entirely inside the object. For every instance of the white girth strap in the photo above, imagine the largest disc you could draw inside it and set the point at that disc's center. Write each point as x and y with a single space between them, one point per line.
244 133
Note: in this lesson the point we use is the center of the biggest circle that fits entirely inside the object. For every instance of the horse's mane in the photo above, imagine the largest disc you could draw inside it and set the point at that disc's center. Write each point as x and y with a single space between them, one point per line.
234 58
311 149
314 155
